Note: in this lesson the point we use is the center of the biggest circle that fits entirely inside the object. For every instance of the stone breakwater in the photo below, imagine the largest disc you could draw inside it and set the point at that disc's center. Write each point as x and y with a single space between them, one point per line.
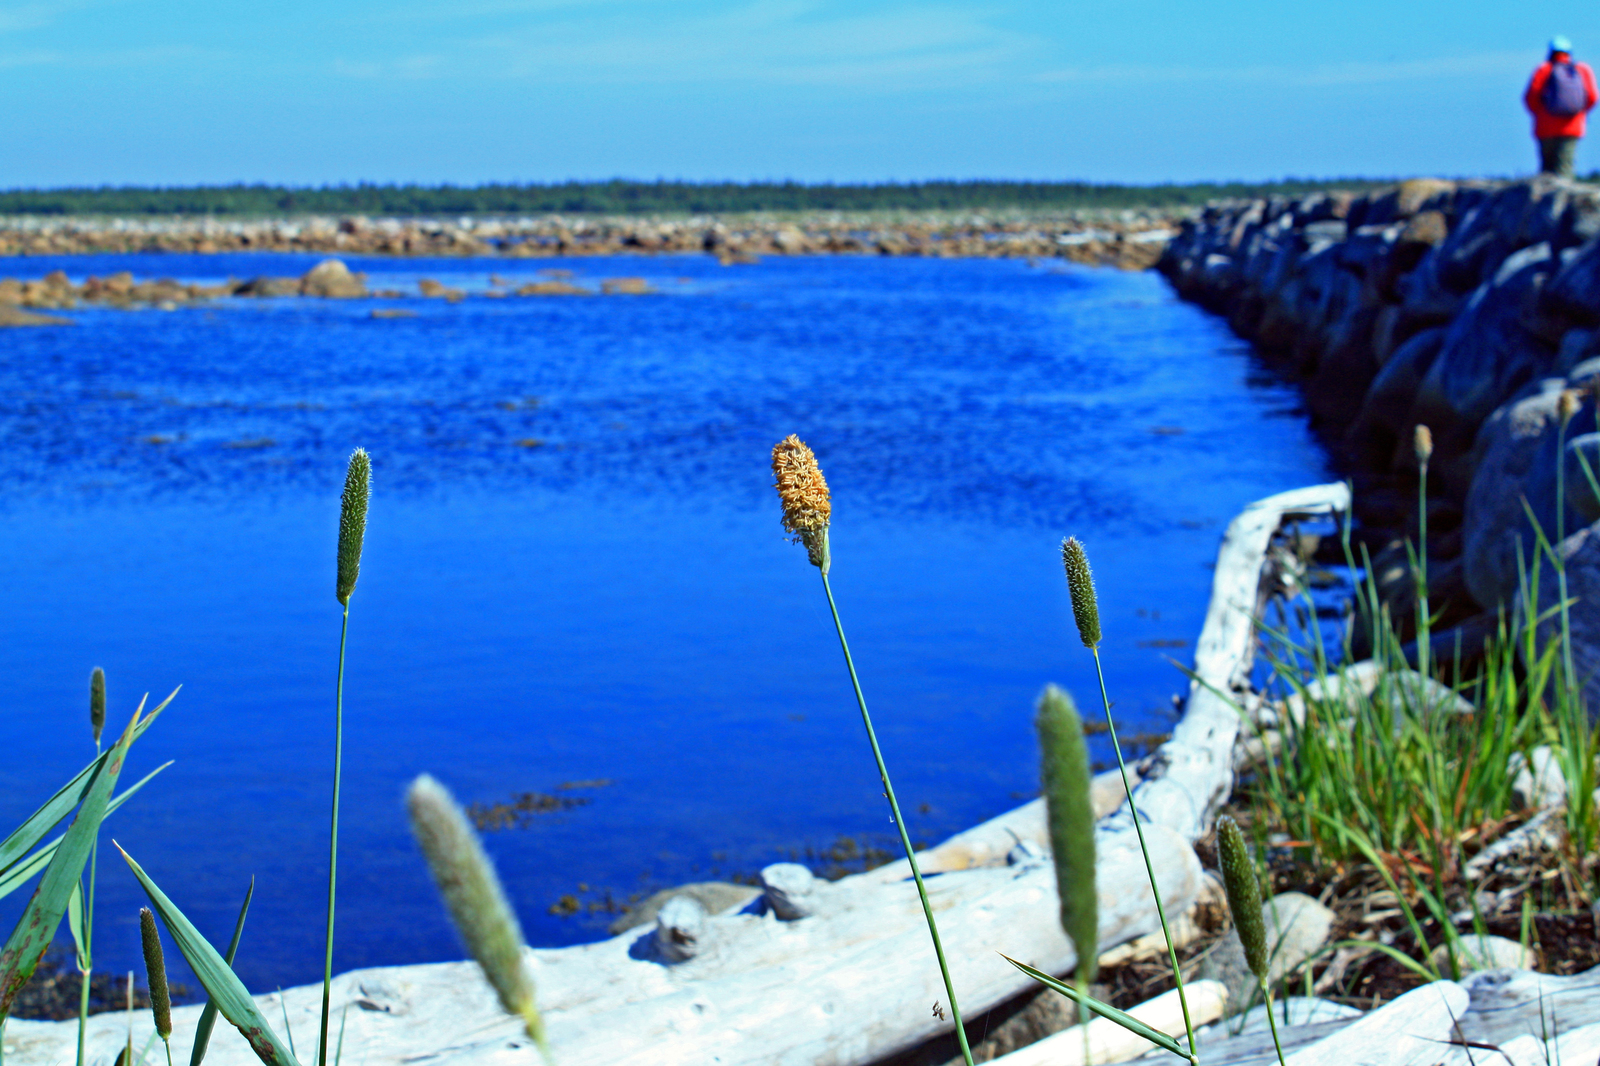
1472 308
1128 239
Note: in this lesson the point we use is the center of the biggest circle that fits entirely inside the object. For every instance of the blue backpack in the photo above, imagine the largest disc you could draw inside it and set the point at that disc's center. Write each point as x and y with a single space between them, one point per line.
1564 93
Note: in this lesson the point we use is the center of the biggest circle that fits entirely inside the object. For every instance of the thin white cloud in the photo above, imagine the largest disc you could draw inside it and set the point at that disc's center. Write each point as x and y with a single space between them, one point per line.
760 41
1356 73
38 58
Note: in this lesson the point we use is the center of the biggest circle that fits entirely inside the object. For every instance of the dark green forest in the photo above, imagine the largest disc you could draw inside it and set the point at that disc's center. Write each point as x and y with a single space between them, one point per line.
619 197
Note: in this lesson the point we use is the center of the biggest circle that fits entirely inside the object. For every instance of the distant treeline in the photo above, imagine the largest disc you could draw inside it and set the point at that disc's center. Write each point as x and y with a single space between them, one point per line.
619 197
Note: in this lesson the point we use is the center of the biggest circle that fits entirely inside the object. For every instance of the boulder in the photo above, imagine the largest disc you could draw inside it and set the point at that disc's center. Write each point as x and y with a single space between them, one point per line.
1480 952
1494 526
1297 927
626 287
715 897
11 315
331 278
1536 779
265 286
1579 555
1418 193
1486 356
1574 292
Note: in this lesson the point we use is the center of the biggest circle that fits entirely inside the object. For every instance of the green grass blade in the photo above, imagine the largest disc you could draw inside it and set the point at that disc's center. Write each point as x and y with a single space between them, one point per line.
216 976
38 924
1105 1010
20 874
80 939
208 1016
57 807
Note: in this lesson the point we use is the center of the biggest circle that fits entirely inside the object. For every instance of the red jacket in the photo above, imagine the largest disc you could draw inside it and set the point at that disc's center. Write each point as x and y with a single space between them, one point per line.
1548 125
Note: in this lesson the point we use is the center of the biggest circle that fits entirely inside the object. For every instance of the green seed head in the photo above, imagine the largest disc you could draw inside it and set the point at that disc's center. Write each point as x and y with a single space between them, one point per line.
473 896
1244 894
1064 772
97 703
353 522
1080 583
155 973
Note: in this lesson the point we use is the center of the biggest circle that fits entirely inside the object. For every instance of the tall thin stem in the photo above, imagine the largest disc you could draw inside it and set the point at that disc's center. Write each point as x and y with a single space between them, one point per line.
333 840
1273 1022
900 824
88 941
1161 912
1424 614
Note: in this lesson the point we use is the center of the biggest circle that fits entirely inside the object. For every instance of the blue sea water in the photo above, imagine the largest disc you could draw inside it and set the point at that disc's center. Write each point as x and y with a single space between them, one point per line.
614 606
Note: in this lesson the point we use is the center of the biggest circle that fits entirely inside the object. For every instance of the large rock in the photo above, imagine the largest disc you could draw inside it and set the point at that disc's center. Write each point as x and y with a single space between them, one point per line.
1481 952
1385 411
1486 356
1494 526
1580 558
1297 927
1574 293
332 278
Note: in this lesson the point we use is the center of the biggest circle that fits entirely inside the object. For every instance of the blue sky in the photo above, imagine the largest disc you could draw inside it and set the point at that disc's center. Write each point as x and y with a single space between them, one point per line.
313 91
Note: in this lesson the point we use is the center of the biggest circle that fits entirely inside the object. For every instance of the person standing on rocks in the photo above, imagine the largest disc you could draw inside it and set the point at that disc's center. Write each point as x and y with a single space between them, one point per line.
1560 94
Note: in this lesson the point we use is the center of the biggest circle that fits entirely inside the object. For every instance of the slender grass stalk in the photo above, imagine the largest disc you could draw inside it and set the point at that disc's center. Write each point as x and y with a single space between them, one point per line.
1086 613
1424 449
1244 903
900 824
155 975
807 513
127 1052
97 723
475 900
352 532
1069 806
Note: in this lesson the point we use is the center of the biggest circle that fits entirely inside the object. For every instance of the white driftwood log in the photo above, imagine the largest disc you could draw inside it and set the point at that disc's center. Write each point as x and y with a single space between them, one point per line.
1189 777
853 982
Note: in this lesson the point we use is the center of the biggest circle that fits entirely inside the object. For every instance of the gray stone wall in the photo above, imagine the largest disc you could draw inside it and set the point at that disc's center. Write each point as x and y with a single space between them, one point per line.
1468 307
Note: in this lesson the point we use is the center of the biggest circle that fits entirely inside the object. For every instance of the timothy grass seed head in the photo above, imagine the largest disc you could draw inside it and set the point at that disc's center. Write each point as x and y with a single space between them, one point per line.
353 522
97 703
1080 585
807 506
1244 894
1567 405
473 896
1064 773
1422 444
155 973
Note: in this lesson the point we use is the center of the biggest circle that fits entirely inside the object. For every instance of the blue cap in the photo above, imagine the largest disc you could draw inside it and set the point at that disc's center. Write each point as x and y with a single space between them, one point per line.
1559 43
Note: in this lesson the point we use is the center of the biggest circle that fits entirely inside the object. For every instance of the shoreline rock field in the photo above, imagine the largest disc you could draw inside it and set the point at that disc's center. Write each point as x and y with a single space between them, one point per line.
1129 239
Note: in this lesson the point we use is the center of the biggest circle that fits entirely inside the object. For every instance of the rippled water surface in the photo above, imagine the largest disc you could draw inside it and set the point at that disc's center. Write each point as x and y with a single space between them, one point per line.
574 573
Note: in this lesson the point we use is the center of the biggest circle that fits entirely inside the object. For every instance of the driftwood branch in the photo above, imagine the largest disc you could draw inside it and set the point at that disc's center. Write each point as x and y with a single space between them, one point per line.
856 979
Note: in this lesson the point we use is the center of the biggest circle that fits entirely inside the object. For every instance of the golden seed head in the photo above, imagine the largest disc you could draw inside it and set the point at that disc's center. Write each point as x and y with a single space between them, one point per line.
1423 443
807 507
1069 808
353 522
1080 584
155 973
1244 894
97 703
1568 405
474 898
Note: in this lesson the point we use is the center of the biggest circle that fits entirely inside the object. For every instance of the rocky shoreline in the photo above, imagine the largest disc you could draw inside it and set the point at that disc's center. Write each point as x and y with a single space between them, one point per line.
1129 239
1472 308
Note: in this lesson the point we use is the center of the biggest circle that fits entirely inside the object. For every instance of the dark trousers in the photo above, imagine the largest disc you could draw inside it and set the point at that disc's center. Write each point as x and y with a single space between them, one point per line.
1558 155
